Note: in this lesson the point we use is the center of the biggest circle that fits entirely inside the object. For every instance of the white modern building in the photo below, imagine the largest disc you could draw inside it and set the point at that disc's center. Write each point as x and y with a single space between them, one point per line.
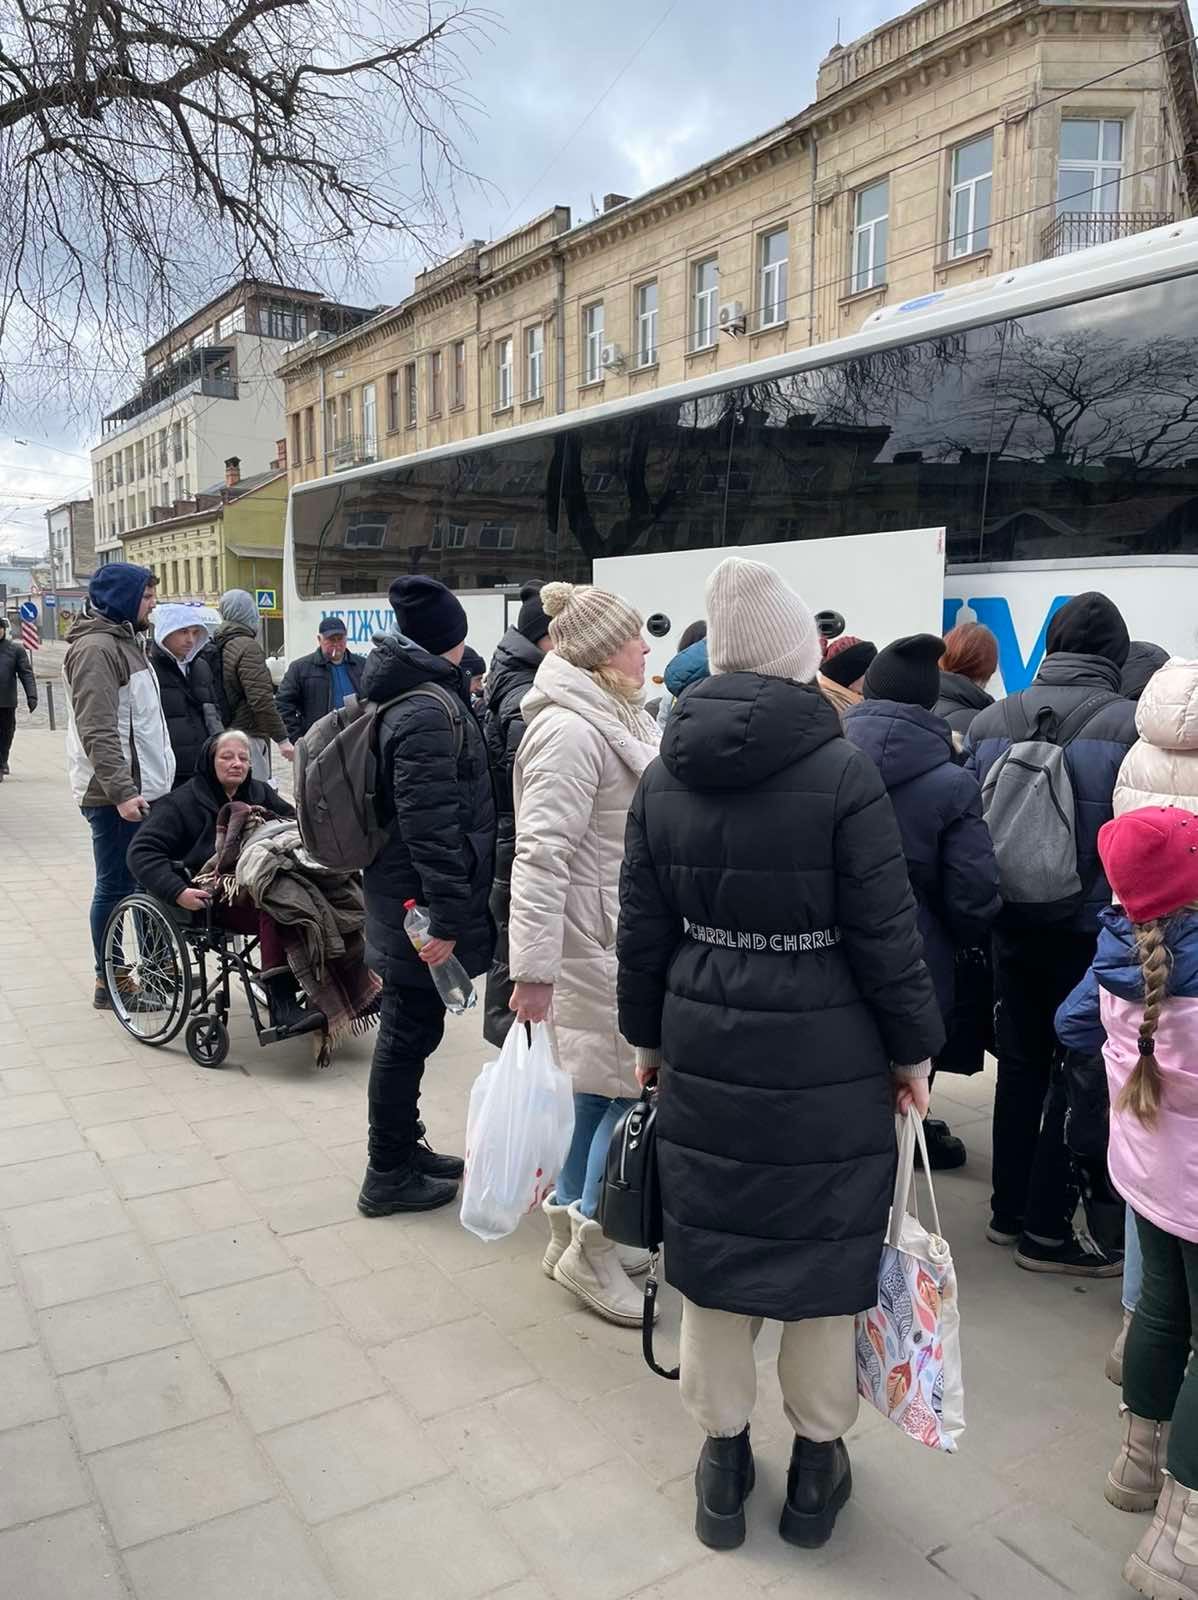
71 528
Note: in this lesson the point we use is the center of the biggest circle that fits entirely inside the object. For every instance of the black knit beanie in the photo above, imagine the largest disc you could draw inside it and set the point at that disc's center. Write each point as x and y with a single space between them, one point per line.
428 613
849 664
472 663
907 671
533 620
1089 625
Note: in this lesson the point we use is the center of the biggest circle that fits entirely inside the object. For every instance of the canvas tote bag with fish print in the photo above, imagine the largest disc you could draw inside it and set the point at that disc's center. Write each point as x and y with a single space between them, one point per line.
909 1344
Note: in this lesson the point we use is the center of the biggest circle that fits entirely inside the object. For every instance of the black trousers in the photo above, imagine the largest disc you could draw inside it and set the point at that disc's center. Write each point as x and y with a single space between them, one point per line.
411 1026
1035 1187
8 726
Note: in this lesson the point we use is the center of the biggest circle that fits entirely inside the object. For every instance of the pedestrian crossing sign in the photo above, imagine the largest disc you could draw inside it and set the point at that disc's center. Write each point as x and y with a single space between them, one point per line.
267 600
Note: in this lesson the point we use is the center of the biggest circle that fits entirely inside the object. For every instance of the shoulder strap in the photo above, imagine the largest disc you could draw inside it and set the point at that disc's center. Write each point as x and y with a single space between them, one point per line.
647 1325
1081 715
1019 725
434 691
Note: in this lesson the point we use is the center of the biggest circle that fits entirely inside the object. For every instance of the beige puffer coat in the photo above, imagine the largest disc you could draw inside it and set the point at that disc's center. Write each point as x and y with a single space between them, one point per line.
1161 768
576 773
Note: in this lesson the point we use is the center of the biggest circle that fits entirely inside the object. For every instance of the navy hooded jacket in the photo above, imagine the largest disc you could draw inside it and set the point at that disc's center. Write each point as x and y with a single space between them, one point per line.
950 858
116 590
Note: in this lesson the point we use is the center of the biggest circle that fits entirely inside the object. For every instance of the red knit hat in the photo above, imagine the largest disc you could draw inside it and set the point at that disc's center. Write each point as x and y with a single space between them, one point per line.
1151 860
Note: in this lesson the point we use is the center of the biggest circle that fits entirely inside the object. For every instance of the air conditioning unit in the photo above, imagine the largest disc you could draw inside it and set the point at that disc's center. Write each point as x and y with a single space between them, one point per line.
732 317
611 358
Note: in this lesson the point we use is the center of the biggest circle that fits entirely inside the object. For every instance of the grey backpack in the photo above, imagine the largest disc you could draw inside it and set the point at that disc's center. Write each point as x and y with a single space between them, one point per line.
1030 809
341 806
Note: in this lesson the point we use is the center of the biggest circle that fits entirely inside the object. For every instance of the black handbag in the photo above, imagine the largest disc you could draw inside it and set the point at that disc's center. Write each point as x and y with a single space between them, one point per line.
630 1203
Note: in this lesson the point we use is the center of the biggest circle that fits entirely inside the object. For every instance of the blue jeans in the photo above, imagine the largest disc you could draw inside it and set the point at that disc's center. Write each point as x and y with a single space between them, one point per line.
1133 1264
581 1177
111 838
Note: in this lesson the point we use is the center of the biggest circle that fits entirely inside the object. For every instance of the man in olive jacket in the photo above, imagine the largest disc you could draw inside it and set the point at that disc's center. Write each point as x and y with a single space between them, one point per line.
14 667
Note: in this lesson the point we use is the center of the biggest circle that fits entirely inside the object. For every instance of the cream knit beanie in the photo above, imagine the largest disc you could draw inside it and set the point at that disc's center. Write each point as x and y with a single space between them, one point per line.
587 625
755 623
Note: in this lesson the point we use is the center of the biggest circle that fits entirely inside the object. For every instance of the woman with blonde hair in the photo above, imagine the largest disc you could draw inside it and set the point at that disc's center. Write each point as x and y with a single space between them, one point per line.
587 741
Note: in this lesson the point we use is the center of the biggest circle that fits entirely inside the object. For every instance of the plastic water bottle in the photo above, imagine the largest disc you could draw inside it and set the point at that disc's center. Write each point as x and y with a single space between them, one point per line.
452 981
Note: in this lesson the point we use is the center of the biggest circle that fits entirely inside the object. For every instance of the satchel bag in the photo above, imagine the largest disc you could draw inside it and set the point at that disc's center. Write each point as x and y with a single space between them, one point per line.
630 1203
909 1344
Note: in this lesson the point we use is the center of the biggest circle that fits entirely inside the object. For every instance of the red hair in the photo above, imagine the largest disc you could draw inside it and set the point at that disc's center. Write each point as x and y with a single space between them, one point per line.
971 650
833 647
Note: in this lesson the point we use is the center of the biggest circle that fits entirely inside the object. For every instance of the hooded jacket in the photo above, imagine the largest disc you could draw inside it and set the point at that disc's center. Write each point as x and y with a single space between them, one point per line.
179 835
576 773
14 669
768 947
960 701
441 845
118 745
1143 659
249 687
1161 768
950 857
513 668
1154 1168
188 699
306 692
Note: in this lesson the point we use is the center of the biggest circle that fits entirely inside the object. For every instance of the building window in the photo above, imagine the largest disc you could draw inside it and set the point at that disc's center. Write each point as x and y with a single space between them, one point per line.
972 179
1090 174
534 362
370 432
409 395
646 324
108 474
772 290
345 419
309 434
503 373
449 536
214 572
435 383
284 320
295 438
705 292
459 374
393 401
592 343
330 428
180 488
497 536
871 222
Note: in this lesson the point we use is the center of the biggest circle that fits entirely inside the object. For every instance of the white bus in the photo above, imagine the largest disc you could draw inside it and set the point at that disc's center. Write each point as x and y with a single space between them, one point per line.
1043 423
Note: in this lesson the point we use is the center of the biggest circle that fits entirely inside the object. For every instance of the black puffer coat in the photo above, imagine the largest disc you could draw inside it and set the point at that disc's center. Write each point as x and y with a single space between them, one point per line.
14 669
189 706
950 857
960 701
768 946
441 849
179 834
513 667
306 692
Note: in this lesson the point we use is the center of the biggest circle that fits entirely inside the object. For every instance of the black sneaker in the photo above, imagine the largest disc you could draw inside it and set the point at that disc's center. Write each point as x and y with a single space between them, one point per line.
724 1480
434 1165
1078 1257
819 1482
945 1151
100 1000
404 1189
1004 1230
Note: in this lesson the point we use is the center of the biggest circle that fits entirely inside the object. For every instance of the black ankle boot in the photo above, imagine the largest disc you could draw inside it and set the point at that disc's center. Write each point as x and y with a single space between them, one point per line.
403 1189
724 1480
819 1482
431 1163
282 999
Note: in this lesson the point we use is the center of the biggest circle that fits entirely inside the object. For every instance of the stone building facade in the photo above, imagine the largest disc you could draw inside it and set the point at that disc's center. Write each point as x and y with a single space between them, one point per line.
962 139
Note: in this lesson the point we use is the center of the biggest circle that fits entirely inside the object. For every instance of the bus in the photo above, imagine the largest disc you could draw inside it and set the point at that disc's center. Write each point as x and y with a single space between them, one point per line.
1011 442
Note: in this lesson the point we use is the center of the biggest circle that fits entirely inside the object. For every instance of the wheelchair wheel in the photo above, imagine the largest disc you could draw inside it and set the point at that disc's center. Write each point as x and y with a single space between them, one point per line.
147 970
207 1040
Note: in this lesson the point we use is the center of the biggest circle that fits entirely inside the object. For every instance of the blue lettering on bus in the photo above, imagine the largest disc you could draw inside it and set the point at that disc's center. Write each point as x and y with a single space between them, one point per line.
995 612
361 625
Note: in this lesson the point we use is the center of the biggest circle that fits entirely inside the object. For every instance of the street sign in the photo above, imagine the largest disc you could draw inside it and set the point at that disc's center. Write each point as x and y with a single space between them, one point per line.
28 611
49 599
267 599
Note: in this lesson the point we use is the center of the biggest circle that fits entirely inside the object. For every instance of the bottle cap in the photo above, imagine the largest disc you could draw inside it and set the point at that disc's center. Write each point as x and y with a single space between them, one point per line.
408 904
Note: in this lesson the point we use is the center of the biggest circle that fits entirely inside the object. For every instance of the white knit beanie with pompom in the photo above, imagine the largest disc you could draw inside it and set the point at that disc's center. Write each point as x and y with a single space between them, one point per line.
588 625
756 623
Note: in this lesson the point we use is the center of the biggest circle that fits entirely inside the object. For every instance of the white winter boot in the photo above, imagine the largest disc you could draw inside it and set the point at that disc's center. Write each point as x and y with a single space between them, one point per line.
590 1267
635 1262
559 1233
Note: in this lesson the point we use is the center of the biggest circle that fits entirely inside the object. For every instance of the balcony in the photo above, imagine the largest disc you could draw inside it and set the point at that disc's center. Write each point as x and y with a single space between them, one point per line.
1078 230
354 450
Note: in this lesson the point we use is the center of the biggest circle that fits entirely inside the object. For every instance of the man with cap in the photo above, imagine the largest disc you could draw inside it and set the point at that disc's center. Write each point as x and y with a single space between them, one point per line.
938 805
440 852
119 755
322 682
14 669
184 682
513 667
1037 963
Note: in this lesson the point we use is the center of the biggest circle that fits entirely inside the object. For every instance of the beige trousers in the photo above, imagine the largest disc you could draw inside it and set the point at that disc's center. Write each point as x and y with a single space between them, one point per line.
817 1368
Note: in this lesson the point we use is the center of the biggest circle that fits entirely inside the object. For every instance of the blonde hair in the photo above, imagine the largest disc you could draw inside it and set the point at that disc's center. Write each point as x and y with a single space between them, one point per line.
1141 1094
618 684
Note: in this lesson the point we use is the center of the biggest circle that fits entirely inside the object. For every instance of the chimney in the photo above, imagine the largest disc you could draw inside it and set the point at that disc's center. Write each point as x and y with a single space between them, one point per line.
232 472
611 201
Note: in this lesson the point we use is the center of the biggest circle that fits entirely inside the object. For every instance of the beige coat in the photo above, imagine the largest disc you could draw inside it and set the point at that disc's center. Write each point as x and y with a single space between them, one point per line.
576 773
1161 768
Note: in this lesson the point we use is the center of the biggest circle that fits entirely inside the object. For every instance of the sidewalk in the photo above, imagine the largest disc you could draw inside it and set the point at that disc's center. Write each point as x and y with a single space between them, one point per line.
219 1383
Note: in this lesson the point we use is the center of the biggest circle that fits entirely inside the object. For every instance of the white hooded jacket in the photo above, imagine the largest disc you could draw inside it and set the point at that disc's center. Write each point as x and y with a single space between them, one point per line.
1161 768
576 773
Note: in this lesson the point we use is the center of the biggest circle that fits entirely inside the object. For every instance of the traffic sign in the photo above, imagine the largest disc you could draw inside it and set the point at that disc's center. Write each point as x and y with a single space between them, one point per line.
28 611
267 600
49 599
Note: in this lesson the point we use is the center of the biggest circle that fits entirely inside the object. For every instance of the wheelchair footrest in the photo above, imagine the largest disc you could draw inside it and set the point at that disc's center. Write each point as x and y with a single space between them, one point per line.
310 1023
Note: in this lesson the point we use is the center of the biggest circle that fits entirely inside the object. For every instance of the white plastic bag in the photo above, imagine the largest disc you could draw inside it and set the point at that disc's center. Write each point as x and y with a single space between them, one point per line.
518 1129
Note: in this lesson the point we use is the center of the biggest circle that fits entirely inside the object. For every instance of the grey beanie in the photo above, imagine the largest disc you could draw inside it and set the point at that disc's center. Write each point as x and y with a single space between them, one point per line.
756 623
236 605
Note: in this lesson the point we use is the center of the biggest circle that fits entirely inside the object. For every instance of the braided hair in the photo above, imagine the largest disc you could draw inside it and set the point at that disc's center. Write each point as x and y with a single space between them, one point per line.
1142 1092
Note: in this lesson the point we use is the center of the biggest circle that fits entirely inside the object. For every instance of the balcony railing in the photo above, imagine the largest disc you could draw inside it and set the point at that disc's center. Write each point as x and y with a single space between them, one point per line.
1078 230
354 450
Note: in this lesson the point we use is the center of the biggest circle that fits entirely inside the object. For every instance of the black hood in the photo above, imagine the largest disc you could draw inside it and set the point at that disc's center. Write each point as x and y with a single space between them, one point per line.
904 741
1068 670
514 665
737 729
1089 625
205 778
396 665
1143 661
958 690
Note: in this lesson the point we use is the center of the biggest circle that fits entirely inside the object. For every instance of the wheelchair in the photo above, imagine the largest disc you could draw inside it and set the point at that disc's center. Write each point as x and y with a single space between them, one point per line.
165 967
